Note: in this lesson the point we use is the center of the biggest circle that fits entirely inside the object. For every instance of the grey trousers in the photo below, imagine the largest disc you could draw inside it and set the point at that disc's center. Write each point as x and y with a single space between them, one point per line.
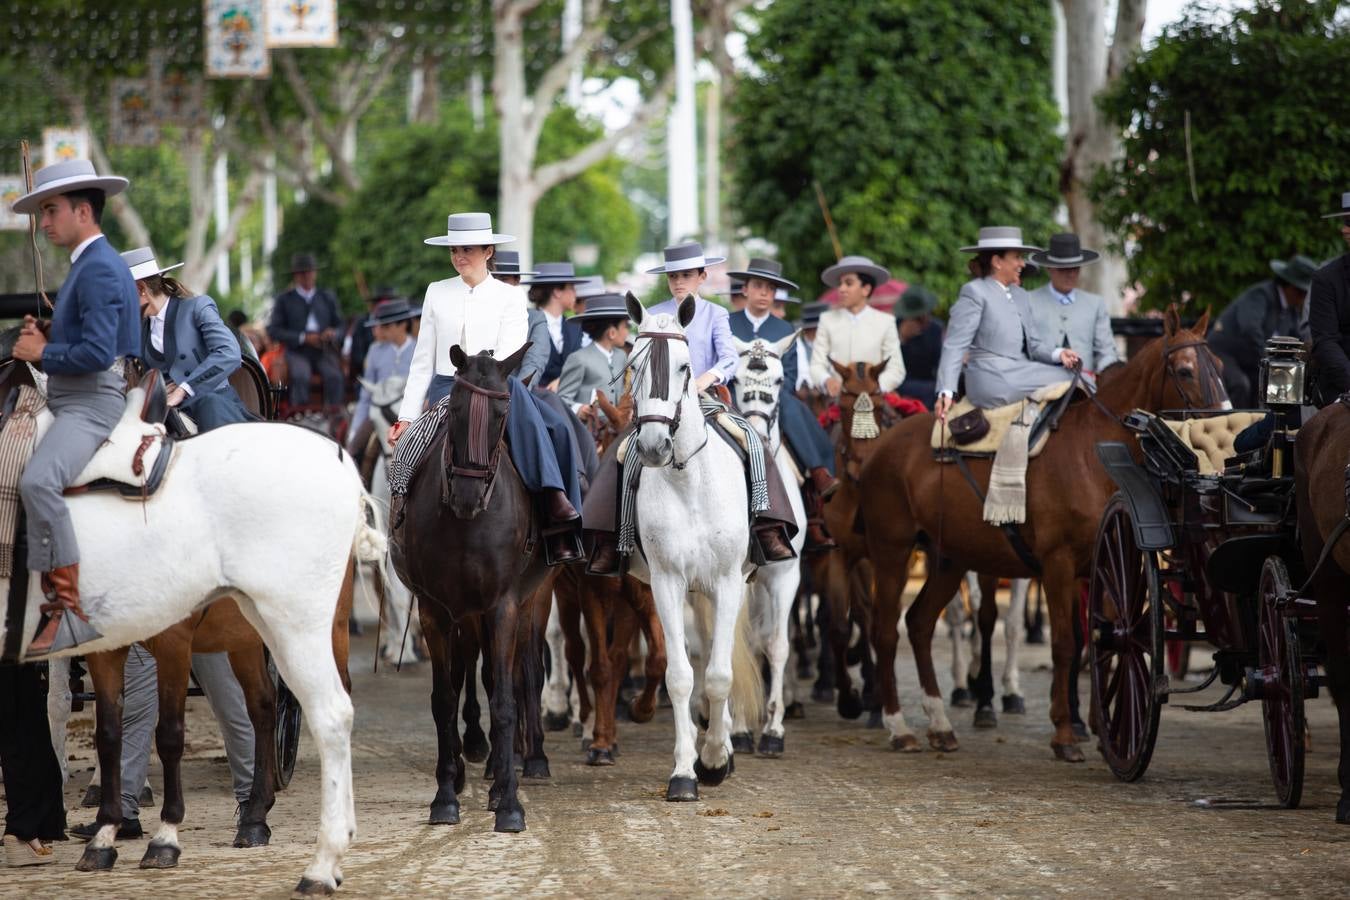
140 713
87 408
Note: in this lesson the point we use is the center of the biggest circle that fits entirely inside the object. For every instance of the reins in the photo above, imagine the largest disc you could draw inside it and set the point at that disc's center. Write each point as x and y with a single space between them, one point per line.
655 355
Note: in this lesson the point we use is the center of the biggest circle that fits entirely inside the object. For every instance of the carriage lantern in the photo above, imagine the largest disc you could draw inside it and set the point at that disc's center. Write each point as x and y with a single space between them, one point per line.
1282 373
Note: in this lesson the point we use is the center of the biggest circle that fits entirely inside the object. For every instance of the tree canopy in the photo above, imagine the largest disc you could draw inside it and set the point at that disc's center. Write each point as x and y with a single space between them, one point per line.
922 120
1255 98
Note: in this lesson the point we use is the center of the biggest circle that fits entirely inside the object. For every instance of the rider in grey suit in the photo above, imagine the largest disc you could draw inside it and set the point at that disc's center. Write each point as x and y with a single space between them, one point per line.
991 334
597 367
1066 316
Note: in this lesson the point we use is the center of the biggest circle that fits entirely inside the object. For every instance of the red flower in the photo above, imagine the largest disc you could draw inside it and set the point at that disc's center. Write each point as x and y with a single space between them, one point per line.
830 416
906 406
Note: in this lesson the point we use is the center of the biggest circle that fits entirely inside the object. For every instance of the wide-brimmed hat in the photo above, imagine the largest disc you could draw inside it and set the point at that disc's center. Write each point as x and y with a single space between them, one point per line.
395 310
304 262
859 264
472 229
1344 211
767 270
64 177
590 287
683 258
1065 252
507 262
143 264
736 287
916 301
782 296
608 305
555 273
811 313
1297 270
999 238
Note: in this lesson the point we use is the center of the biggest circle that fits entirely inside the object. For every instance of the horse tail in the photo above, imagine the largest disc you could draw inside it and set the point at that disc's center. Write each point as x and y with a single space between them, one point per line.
369 543
747 683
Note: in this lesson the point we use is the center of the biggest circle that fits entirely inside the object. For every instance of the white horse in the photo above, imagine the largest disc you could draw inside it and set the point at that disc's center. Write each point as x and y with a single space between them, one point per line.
759 380
694 538
266 513
966 657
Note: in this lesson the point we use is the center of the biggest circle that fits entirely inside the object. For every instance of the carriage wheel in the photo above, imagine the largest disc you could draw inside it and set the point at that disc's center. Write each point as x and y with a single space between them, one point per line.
287 736
1125 628
1281 661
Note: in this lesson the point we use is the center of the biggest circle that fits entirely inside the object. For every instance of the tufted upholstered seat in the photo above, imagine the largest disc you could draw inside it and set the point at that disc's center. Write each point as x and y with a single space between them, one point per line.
1211 438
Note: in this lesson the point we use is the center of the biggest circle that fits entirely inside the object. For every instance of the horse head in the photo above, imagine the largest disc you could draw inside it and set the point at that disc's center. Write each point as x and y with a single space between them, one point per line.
863 411
478 406
663 384
759 381
614 419
1175 371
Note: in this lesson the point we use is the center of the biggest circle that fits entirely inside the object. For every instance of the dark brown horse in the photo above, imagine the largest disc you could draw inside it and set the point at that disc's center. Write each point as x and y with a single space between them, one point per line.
1323 458
470 549
908 496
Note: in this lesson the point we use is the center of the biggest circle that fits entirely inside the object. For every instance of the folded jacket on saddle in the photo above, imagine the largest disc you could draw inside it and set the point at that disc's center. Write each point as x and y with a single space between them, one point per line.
727 423
1000 418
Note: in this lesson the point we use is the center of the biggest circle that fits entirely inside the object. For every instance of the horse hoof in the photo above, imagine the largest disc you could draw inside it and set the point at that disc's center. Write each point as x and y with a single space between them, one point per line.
906 743
1014 705
1080 731
961 697
93 796
743 742
985 717
596 756
821 694
794 710
715 776
161 856
1068 752
556 721
850 705
943 741
308 887
97 859
510 821
476 749
147 797
682 790
444 814
535 768
253 834
641 713
770 746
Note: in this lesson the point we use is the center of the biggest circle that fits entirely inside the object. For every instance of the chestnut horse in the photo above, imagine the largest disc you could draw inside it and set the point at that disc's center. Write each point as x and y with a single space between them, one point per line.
1322 452
908 497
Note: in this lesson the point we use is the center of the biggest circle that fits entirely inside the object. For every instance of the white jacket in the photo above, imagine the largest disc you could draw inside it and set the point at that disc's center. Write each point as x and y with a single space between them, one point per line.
869 337
492 316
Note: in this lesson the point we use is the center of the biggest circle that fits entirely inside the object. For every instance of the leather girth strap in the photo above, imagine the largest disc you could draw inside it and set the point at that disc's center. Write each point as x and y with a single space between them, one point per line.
1010 530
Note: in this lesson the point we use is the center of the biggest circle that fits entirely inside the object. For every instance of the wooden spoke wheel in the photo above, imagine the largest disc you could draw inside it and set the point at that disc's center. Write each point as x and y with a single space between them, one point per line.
1281 685
287 738
1125 646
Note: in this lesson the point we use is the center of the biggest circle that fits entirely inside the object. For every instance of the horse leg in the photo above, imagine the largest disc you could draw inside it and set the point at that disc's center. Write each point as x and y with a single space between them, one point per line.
58 710
530 681
848 703
1333 623
822 689
250 670
1061 590
668 594
956 616
1013 627
760 613
921 620
464 660
602 676
639 600
574 647
500 646
781 591
106 673
890 587
446 646
555 689
861 606
714 762
173 658
985 717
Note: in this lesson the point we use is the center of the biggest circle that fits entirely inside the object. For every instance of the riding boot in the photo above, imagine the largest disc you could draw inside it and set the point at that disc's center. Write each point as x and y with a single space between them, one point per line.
824 483
560 509
773 541
818 538
62 587
604 555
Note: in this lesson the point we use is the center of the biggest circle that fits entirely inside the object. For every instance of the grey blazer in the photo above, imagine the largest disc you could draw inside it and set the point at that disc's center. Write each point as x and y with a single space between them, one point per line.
536 358
987 331
587 371
1083 326
199 348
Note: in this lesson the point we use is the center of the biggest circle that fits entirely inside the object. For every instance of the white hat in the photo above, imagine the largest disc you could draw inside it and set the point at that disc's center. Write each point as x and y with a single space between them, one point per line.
998 239
64 177
143 264
859 264
469 230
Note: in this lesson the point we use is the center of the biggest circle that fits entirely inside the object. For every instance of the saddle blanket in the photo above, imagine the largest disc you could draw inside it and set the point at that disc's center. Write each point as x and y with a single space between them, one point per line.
1000 419
131 452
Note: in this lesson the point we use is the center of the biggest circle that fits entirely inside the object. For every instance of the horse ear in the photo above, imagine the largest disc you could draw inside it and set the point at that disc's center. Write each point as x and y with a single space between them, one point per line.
636 312
843 370
687 310
1202 324
512 362
1171 320
783 344
458 357
742 347
874 372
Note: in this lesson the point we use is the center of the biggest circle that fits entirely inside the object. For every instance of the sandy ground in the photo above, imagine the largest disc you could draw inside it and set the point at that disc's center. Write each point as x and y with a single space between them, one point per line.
840 814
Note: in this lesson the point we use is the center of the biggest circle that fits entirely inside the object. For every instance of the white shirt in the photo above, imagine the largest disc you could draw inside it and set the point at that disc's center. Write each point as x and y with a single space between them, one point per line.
75 254
491 316
311 324
555 329
157 336
755 320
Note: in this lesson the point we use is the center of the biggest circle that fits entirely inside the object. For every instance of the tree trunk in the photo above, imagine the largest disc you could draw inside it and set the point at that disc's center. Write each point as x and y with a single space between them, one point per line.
516 147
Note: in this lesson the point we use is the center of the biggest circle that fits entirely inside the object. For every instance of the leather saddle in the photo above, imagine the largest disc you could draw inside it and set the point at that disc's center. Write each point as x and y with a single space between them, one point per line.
133 460
1055 400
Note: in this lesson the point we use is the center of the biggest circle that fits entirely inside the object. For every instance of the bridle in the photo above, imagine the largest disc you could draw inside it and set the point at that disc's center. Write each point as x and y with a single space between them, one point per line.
655 356
484 449
879 408
1203 362
758 353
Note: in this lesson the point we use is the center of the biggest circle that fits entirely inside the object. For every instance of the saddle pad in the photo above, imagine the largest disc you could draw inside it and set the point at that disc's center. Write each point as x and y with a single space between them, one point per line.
1000 417
721 420
1211 438
133 444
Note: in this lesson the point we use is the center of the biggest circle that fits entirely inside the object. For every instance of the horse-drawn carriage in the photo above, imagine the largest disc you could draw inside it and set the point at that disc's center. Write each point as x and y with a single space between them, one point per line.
1200 544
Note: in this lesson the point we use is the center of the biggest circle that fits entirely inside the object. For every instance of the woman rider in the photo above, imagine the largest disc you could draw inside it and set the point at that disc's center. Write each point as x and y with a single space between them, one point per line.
184 337
991 332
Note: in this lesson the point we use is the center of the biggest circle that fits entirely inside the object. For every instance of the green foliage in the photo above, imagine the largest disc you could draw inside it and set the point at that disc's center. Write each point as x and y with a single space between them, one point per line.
1267 145
921 119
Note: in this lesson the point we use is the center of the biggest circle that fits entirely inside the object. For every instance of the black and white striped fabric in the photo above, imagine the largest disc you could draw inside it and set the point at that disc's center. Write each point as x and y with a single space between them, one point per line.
413 445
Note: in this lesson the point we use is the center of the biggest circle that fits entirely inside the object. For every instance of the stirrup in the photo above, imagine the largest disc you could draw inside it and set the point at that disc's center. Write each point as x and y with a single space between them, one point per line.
71 631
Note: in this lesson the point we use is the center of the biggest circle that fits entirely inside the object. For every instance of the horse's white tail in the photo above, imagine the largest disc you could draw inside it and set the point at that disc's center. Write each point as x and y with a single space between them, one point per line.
369 544
747 683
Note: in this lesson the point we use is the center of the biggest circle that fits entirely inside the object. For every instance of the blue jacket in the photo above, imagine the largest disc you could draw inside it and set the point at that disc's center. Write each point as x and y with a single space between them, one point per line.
199 348
96 318
771 329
